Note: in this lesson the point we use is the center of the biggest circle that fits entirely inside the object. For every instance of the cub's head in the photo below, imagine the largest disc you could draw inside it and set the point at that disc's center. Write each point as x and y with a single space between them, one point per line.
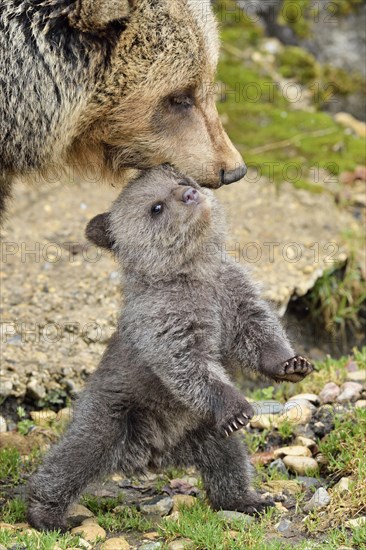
162 223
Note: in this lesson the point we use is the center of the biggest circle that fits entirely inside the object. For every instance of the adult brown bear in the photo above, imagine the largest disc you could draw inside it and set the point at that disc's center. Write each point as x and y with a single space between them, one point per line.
104 85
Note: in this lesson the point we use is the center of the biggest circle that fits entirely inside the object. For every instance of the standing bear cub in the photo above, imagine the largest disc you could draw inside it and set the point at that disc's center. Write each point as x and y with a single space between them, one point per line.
163 393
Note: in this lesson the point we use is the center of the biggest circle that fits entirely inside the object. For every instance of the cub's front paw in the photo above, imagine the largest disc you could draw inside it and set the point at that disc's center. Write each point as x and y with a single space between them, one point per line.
235 412
293 370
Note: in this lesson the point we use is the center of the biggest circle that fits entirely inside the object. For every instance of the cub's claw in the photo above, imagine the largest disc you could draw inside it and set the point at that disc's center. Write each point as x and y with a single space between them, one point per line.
294 370
236 424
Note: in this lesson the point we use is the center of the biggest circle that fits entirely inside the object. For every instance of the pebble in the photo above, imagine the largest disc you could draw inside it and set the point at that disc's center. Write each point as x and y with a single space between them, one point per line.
283 525
277 486
157 505
262 422
350 391
320 499
152 536
43 417
329 393
301 464
3 425
357 376
361 404
293 450
116 543
78 514
230 515
296 412
312 397
309 482
305 441
342 486
151 546
35 390
349 121
91 532
182 500
356 522
278 466
6 388
180 544
269 407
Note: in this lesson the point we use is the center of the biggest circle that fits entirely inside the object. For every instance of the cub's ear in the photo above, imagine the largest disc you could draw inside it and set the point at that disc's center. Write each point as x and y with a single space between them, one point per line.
98 232
95 15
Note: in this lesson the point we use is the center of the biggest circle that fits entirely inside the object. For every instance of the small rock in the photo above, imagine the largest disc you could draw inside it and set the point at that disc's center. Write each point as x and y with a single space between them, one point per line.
151 546
293 450
262 421
35 390
350 391
182 500
283 525
309 482
262 458
116 543
356 522
305 441
320 499
296 412
278 486
361 404
152 536
43 417
281 508
6 387
329 393
64 416
230 516
349 121
358 376
157 505
312 397
77 514
84 544
91 532
3 425
301 464
174 516
342 487
180 544
278 466
269 407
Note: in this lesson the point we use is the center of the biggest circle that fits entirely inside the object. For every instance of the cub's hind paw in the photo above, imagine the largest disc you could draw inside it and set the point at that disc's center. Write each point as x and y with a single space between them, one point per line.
294 369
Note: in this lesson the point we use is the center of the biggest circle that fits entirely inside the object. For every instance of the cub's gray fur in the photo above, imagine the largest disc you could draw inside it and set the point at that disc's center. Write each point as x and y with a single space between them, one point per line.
163 393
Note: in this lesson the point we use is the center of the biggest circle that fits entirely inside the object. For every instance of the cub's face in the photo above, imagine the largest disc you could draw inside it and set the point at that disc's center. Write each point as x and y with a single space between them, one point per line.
161 221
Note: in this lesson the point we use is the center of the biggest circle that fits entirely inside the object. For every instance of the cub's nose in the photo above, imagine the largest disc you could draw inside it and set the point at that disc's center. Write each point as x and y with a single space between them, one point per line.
191 196
229 176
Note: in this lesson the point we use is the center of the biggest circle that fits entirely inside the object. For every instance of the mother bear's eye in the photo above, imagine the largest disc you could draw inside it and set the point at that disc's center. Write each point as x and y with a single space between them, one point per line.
182 101
157 208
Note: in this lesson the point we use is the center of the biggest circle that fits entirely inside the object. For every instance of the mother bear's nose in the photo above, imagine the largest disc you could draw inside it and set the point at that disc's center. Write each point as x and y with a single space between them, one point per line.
229 176
191 196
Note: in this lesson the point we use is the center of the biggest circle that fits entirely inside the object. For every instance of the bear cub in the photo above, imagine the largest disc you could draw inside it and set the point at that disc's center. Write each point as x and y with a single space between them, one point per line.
164 392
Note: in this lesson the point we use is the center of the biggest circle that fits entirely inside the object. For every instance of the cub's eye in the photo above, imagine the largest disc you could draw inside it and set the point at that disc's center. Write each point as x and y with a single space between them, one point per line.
157 208
182 101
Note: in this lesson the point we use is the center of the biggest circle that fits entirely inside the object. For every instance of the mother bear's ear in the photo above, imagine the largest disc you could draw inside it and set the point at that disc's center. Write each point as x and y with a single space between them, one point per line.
97 231
94 16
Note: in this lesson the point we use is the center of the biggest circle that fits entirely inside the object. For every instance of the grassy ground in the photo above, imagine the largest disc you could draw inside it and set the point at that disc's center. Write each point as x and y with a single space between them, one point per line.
343 453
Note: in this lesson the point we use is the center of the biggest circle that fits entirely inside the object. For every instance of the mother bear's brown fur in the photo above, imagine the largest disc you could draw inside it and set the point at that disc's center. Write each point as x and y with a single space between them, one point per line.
103 85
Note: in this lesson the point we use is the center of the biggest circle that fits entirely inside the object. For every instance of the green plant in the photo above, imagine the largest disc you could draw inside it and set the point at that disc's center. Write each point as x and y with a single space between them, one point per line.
10 465
13 511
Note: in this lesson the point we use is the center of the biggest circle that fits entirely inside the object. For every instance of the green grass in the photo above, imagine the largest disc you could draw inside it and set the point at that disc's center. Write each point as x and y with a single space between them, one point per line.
13 511
37 541
10 466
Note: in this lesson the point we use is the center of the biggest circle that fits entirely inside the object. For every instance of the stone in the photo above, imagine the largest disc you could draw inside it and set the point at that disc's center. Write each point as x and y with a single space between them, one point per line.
361 404
278 486
283 525
157 505
349 121
309 482
152 536
182 500
35 390
84 544
3 425
329 393
296 412
180 544
77 514
6 388
269 407
350 391
230 516
293 450
151 546
64 416
301 464
343 486
91 532
312 397
356 522
278 466
116 543
262 422
320 499
357 376
305 441
43 417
